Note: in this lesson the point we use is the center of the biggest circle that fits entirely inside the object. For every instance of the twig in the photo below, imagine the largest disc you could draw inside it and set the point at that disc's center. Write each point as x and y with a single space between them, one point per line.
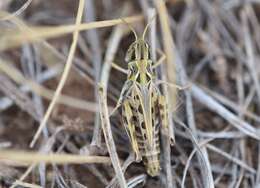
93 38
18 12
30 157
37 33
5 102
13 73
235 107
169 49
231 158
171 77
133 182
64 74
206 169
24 184
112 47
189 160
250 53
20 98
109 137
25 174
128 161
213 105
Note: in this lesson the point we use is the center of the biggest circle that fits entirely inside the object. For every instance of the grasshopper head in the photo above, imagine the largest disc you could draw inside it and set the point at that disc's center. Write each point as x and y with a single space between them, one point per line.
138 50
138 58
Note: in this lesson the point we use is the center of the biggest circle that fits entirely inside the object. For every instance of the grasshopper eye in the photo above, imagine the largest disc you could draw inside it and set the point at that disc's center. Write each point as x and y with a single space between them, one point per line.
134 70
130 54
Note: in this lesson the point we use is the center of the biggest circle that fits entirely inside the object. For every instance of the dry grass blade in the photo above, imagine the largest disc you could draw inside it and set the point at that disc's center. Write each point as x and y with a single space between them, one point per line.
232 158
14 74
128 162
20 98
241 125
15 38
169 48
31 157
170 77
250 52
95 46
204 162
232 105
25 174
136 180
112 47
64 74
24 184
109 138
18 12
200 145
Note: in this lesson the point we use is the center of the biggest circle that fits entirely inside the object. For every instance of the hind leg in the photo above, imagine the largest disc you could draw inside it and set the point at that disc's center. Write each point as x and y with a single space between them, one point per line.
130 128
164 118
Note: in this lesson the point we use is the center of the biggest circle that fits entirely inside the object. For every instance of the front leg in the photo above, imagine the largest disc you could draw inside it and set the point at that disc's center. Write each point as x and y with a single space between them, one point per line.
124 93
120 69
188 86
159 62
164 118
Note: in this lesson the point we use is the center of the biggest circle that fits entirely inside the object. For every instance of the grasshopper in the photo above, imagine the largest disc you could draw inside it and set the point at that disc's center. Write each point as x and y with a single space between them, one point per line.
143 107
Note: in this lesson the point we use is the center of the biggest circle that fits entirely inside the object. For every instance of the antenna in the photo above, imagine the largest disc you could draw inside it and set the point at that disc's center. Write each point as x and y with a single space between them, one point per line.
147 26
130 27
